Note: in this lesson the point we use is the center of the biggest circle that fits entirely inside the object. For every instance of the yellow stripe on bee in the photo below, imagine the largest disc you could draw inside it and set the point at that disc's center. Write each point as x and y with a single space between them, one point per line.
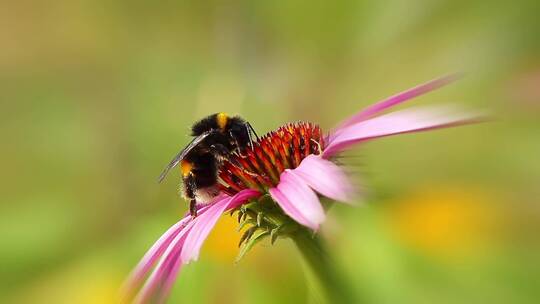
222 119
185 167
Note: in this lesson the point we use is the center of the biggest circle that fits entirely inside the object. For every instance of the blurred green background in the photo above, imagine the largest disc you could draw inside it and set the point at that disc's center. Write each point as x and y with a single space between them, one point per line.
97 96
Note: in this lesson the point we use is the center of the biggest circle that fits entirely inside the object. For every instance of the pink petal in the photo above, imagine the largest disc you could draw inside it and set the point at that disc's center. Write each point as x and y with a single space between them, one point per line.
156 251
205 222
325 177
154 285
411 120
395 100
141 270
241 197
169 247
169 280
298 200
173 261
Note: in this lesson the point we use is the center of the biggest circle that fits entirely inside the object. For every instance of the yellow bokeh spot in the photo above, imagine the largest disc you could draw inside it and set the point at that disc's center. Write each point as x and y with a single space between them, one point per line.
443 221
222 243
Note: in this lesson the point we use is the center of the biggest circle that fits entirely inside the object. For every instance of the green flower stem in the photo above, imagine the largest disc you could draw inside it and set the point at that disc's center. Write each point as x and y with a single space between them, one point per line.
325 284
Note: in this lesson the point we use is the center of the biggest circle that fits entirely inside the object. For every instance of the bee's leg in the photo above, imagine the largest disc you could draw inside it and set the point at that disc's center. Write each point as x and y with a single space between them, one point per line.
220 150
193 208
224 153
190 186
238 147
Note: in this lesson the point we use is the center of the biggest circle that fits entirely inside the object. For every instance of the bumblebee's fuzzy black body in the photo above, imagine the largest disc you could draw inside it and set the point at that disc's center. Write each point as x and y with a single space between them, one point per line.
215 138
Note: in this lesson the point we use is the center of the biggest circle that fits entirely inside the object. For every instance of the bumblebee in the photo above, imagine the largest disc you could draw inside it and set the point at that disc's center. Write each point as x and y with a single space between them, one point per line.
215 138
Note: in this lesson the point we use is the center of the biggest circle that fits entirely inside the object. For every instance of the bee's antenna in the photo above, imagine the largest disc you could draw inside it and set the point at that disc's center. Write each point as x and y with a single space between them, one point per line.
251 132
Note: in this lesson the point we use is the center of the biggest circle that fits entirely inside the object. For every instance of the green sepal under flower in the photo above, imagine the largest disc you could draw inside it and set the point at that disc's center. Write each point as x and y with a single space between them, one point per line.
259 219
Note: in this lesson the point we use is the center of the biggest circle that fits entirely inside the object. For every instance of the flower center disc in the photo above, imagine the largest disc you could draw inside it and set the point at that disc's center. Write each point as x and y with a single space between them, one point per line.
260 167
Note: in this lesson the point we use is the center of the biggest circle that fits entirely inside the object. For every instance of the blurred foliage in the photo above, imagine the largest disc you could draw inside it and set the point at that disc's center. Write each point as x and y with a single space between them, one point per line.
98 95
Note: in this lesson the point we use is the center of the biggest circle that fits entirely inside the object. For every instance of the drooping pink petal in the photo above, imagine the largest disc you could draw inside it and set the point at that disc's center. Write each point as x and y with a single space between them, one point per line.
410 120
168 248
298 201
164 275
154 289
205 222
138 274
169 280
325 177
395 100
141 270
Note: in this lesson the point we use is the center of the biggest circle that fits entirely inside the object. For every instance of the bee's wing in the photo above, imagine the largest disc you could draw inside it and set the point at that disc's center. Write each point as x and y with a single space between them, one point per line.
182 154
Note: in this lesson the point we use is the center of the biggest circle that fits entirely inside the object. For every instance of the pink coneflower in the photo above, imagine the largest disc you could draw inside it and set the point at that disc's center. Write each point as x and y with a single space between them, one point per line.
275 186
